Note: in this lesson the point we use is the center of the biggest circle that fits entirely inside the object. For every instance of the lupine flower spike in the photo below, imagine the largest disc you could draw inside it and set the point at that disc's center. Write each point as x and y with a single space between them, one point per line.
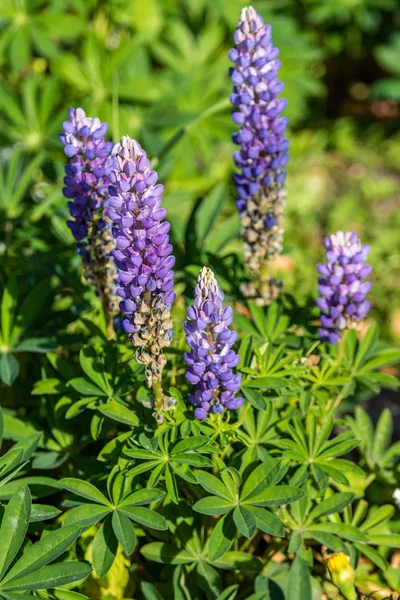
86 185
342 287
211 359
144 258
263 153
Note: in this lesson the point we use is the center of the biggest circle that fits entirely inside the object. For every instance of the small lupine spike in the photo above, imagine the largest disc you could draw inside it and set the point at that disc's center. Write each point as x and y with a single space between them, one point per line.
342 287
211 359
143 256
263 153
86 185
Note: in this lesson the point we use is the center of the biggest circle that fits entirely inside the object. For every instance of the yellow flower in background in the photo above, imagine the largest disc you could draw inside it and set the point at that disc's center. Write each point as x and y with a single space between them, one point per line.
342 574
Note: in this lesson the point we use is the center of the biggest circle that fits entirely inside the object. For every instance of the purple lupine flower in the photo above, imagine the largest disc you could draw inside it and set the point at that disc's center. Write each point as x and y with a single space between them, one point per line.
342 287
86 185
86 180
263 153
143 255
211 359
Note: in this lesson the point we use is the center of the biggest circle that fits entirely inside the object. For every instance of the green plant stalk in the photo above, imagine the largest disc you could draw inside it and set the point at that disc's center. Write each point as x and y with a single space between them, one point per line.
348 591
158 395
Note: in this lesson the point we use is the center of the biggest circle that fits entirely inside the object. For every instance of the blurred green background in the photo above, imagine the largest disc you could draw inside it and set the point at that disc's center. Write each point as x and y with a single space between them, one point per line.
155 69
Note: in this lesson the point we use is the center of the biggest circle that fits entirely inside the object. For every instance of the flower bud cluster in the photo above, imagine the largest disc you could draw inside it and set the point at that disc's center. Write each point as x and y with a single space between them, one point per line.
143 255
211 359
263 152
342 287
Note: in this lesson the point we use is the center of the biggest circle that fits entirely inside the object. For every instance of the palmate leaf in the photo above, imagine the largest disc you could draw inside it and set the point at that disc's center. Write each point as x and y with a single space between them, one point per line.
104 548
32 571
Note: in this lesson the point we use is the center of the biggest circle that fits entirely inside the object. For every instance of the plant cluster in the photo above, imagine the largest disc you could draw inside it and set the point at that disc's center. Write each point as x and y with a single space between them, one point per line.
205 439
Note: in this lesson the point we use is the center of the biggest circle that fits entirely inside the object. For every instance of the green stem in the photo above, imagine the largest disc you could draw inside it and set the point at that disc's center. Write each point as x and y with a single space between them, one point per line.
349 591
158 394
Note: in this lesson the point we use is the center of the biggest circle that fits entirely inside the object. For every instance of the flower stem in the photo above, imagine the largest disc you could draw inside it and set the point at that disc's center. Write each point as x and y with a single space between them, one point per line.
158 394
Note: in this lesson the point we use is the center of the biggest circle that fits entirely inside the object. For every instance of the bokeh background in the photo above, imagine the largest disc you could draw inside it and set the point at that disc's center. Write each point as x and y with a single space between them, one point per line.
158 70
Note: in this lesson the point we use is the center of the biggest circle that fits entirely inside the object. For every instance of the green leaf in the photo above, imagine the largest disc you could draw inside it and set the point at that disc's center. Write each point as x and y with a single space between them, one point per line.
124 531
299 581
14 526
265 475
9 369
213 505
145 516
383 434
347 532
39 486
373 555
68 595
39 345
254 398
267 383
208 211
327 539
390 540
366 345
377 517
208 579
116 411
93 368
142 497
49 576
277 496
221 538
191 443
8 306
267 522
229 593
150 591
213 485
85 387
241 561
167 554
43 552
43 512
245 521
104 548
86 515
48 386
84 489
331 505
170 484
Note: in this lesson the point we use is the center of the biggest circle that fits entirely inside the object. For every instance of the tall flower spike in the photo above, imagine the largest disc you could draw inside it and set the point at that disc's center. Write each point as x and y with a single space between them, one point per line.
86 185
143 256
263 153
211 359
342 287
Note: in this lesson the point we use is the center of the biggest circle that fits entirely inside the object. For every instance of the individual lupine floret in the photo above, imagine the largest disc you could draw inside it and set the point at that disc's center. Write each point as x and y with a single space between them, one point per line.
86 185
211 359
342 287
143 256
263 150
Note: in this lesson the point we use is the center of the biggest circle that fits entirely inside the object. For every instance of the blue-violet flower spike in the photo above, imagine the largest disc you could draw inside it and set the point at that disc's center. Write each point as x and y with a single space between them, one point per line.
211 359
86 185
143 255
342 287
263 152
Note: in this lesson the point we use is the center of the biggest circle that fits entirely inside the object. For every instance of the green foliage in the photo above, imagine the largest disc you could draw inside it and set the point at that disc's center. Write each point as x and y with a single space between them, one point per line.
97 499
